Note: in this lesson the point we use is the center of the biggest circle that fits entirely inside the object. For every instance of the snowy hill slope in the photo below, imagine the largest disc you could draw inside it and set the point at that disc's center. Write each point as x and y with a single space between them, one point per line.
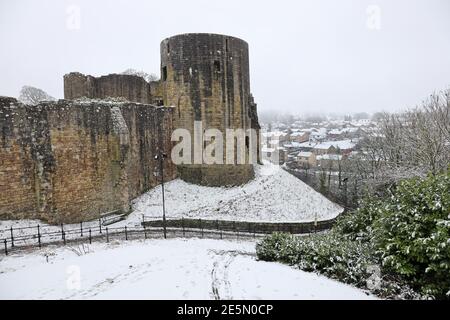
274 195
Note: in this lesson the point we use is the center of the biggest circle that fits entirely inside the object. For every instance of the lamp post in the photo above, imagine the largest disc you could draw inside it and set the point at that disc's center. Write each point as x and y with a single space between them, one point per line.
161 156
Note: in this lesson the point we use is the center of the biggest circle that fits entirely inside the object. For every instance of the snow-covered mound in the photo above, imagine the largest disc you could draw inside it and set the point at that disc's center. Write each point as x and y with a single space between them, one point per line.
274 195
161 269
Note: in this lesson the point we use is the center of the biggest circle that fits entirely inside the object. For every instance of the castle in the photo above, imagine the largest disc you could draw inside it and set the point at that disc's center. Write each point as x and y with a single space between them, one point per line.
76 159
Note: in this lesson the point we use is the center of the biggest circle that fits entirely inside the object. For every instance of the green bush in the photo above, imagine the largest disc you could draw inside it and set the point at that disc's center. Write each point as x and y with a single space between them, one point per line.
329 254
358 224
412 234
335 256
407 235
275 247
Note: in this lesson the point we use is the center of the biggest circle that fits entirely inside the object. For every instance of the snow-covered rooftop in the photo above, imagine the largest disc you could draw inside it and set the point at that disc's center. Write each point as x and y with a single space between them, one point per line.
307 144
341 144
334 157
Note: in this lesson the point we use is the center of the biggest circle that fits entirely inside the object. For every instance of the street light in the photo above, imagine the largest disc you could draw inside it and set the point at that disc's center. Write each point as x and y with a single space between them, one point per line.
161 156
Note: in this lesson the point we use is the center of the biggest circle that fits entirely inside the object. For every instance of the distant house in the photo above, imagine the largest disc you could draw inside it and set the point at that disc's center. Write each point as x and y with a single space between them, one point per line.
275 155
273 137
306 146
318 135
345 133
299 136
329 161
306 159
334 147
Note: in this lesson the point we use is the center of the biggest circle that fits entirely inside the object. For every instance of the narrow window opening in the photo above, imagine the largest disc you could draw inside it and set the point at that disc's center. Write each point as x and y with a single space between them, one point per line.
216 66
168 48
164 73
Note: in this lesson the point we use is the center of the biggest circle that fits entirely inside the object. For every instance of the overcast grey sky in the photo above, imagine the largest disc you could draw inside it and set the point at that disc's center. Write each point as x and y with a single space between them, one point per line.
305 56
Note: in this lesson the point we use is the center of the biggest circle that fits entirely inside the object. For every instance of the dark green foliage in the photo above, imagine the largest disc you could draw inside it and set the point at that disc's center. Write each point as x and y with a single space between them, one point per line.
329 254
412 234
407 235
357 225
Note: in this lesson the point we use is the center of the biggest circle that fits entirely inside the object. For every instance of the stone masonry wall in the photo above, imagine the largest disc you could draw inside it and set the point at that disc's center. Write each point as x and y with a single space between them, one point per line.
217 175
206 77
69 161
130 87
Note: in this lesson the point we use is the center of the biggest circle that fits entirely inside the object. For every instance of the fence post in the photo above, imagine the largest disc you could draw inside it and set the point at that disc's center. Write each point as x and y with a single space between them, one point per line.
100 224
201 226
145 231
107 235
64 237
81 227
6 248
217 224
12 238
62 231
90 236
39 235
218 228
182 226
126 233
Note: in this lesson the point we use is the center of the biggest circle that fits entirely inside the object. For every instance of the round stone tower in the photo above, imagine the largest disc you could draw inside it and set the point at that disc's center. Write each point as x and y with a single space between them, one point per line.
206 78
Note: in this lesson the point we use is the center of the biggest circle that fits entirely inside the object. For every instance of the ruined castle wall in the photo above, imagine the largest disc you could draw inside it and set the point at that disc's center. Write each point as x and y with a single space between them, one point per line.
17 174
130 87
149 128
217 175
67 161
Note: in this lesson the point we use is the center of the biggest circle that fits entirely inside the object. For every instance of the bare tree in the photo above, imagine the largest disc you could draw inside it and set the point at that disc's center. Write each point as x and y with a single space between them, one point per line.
149 77
32 96
408 144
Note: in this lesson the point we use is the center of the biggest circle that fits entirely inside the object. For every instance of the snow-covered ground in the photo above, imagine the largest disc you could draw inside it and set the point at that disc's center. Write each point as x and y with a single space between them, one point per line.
160 269
274 195
28 227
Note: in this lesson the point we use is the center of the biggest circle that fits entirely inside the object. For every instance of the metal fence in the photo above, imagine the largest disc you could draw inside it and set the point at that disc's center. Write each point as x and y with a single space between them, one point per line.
241 226
150 227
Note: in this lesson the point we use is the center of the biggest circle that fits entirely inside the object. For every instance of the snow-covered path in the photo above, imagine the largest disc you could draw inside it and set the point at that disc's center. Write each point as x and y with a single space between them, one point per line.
161 269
